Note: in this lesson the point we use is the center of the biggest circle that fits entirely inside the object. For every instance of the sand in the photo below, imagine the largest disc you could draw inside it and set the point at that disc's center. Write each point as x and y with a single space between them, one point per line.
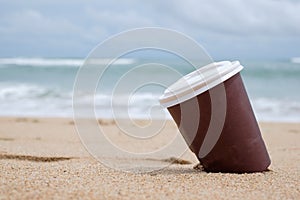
43 158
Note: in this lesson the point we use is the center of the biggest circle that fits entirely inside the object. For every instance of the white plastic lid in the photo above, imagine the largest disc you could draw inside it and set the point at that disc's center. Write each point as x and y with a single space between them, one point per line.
199 81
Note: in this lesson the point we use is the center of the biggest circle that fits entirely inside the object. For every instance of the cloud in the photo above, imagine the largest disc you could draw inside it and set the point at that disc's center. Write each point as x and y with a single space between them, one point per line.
236 17
30 32
34 23
113 21
83 24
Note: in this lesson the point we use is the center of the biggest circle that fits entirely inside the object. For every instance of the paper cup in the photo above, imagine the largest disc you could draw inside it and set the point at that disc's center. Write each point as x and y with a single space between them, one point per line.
212 110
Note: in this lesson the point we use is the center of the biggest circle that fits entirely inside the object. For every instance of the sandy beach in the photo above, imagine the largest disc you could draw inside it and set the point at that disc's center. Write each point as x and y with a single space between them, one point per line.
42 158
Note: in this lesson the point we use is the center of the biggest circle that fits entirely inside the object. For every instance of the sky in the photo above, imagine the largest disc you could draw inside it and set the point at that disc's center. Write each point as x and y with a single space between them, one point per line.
235 29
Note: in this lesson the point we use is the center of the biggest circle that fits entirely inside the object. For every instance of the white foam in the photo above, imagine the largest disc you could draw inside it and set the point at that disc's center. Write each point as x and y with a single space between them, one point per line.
15 92
295 60
36 100
46 62
270 109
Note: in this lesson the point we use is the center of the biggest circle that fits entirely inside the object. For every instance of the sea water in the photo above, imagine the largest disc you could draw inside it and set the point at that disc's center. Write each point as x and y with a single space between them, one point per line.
43 87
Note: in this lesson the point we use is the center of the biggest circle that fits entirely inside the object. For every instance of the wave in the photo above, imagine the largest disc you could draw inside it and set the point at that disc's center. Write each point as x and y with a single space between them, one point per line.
34 100
271 109
295 60
16 92
37 100
48 62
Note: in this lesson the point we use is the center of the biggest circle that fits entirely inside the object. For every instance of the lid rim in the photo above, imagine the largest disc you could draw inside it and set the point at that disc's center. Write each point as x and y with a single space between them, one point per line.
226 70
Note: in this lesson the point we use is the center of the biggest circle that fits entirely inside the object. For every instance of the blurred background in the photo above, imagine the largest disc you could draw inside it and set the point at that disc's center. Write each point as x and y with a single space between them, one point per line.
43 44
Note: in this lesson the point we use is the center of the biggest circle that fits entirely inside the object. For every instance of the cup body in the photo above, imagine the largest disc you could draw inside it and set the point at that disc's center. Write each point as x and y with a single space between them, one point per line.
240 147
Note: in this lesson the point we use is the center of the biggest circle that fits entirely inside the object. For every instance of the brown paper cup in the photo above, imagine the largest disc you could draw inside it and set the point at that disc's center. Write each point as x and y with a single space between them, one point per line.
238 147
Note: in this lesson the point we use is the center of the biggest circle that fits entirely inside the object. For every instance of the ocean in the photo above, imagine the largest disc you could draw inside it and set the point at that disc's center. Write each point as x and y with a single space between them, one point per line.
43 87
